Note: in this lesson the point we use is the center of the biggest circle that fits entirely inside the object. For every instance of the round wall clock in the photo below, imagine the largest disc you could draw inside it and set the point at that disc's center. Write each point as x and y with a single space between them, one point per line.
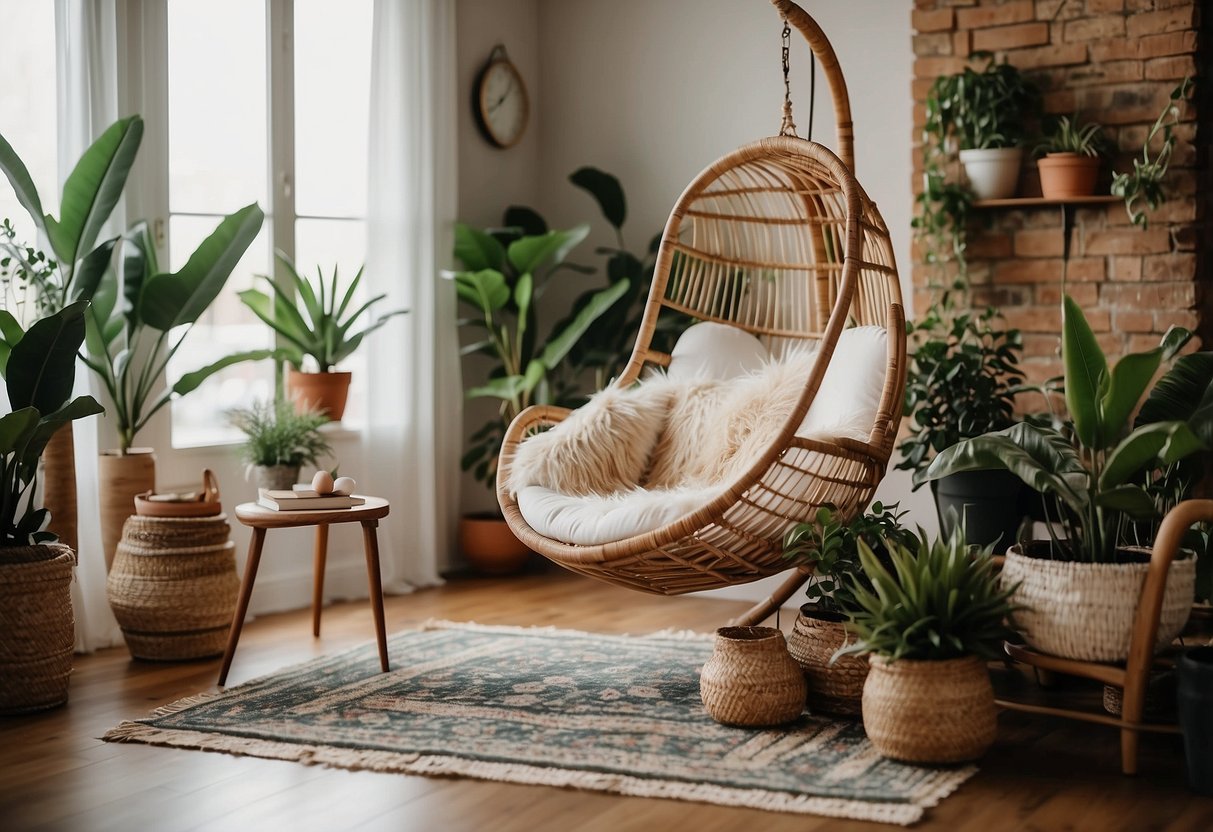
501 101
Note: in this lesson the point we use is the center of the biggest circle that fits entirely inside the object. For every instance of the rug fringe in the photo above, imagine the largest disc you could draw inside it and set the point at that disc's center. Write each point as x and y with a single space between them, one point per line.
669 634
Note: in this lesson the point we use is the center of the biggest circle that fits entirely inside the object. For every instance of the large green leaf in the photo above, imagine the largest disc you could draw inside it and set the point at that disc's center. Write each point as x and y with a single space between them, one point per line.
558 345
42 366
529 253
1185 392
1158 443
78 408
138 259
1086 372
508 388
477 250
523 290
1130 499
190 381
170 300
10 334
350 343
290 327
525 220
1128 381
16 428
22 182
606 189
90 271
93 188
485 289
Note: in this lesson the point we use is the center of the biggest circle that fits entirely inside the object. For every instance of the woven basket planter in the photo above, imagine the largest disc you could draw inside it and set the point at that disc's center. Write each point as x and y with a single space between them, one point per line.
750 679
835 686
37 631
1086 611
173 587
930 711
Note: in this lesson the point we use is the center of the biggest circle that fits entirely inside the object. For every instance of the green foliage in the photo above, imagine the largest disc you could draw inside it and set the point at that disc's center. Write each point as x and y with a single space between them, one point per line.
1066 136
981 109
312 319
140 317
940 600
276 433
1144 184
41 371
832 547
963 376
1102 474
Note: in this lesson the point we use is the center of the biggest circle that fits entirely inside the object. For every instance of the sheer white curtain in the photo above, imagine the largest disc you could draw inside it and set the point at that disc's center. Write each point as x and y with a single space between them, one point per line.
412 441
87 95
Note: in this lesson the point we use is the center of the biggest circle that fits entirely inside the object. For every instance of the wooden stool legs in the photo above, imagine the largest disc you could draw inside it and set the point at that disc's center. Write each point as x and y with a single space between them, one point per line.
246 591
370 540
322 547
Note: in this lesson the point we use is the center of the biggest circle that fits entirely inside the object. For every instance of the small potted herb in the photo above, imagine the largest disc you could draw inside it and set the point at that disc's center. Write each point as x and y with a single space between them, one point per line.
280 438
835 685
930 622
1070 158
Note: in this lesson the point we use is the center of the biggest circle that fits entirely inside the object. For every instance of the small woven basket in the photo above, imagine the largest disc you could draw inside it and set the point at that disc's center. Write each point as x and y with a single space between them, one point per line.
835 686
37 631
1086 611
750 680
930 711
173 587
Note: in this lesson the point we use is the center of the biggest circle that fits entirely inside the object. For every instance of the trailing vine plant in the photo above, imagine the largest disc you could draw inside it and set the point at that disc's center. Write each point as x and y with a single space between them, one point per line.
1144 183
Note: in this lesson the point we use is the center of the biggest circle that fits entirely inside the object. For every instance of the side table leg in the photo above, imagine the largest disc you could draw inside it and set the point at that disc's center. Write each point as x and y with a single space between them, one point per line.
370 541
246 591
322 547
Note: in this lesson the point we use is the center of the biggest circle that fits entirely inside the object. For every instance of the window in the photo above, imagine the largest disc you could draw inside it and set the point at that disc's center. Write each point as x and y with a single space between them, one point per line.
229 62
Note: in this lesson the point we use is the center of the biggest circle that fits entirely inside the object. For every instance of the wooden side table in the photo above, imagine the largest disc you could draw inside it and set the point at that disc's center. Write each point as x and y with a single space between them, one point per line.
260 519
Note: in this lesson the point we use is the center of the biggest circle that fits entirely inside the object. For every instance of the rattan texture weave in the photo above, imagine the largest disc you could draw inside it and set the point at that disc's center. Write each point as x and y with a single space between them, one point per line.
835 686
750 678
36 626
930 711
173 586
779 239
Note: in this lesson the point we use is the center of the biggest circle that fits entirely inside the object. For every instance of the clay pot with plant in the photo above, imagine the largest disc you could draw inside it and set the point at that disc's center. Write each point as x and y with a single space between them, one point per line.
1070 157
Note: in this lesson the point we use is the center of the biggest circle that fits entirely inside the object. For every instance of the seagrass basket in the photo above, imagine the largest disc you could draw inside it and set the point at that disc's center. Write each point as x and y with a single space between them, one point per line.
37 630
173 586
750 679
834 686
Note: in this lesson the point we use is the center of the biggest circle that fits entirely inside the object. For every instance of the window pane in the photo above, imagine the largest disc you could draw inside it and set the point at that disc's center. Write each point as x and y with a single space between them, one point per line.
27 105
217 105
226 327
332 106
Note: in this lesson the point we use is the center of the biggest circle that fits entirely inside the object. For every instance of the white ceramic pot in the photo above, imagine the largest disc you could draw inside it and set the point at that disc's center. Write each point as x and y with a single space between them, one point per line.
993 172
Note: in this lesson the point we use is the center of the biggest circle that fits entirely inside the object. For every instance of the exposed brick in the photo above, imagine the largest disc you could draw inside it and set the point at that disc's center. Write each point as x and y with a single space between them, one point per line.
1045 56
1084 294
1166 267
1011 37
1108 72
1095 28
1178 19
937 20
935 66
987 246
919 88
1173 68
1150 241
1150 295
1150 46
1039 242
1125 269
1041 270
937 43
962 43
1105 6
1014 12
1058 9
1133 320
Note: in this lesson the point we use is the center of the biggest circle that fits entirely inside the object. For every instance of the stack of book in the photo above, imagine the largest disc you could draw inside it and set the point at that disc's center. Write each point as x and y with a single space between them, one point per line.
303 498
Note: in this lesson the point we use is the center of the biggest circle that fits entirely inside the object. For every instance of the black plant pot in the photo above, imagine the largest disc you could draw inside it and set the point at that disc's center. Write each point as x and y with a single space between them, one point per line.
1196 716
989 503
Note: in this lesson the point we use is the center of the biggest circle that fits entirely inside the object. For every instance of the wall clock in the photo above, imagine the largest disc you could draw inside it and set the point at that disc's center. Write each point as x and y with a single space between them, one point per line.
501 103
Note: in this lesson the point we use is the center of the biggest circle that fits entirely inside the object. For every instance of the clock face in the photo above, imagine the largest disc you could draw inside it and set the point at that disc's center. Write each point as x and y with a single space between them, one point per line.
503 103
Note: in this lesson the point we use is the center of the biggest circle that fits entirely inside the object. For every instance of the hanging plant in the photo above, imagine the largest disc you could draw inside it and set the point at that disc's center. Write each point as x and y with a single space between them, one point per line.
1144 183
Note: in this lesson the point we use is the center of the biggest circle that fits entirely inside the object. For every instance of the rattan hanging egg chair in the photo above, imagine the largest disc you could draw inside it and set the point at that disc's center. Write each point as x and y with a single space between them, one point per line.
788 214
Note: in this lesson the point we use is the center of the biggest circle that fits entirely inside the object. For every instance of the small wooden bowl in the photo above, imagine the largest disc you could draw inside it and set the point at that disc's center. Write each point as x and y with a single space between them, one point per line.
206 504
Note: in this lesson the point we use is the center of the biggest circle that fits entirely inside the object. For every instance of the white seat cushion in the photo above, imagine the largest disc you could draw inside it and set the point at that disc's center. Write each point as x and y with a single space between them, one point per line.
594 519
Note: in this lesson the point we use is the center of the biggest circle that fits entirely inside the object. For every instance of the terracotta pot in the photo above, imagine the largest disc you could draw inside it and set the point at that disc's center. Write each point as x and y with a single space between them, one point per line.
993 172
490 546
1086 611
38 635
59 484
120 477
750 679
930 711
325 392
835 686
1068 175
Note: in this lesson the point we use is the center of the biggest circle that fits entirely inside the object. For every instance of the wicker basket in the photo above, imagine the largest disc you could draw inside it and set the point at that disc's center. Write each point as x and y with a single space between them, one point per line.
173 587
37 631
835 686
750 679
930 711
1086 611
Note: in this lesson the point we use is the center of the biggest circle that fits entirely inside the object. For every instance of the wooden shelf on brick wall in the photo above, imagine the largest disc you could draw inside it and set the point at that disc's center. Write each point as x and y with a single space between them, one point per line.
1033 201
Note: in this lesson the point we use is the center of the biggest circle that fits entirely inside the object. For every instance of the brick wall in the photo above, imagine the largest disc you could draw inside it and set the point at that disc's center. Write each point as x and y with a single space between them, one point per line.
1116 62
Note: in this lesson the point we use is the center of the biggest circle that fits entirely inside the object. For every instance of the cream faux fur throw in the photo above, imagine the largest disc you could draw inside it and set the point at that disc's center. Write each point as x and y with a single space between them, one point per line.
664 433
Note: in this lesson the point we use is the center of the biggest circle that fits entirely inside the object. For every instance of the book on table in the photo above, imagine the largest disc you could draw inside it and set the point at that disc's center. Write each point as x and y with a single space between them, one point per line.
307 500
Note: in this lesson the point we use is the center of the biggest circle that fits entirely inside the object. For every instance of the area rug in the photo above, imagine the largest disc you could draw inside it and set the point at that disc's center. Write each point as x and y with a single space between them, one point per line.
543 706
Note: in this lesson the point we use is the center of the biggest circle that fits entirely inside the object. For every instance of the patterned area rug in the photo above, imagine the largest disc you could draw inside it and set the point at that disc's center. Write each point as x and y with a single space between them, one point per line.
541 706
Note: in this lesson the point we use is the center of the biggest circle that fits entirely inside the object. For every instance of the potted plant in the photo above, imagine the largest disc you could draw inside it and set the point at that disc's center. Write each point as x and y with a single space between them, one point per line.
1100 473
37 639
984 113
962 380
280 438
1195 670
835 683
315 321
1070 157
504 274
930 622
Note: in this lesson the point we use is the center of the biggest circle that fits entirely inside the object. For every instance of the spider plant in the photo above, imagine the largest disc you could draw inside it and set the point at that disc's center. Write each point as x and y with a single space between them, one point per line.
1067 136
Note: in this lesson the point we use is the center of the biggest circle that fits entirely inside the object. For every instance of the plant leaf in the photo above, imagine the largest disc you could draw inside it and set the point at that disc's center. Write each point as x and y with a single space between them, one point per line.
477 250
606 189
1086 372
42 366
1148 446
190 381
485 289
559 345
529 253
1128 381
1184 392
22 182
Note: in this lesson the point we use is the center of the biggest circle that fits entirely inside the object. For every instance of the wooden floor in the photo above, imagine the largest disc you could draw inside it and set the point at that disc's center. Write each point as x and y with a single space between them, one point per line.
1043 774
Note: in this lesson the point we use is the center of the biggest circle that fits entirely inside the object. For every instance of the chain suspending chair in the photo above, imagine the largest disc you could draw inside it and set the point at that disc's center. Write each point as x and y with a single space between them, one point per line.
779 239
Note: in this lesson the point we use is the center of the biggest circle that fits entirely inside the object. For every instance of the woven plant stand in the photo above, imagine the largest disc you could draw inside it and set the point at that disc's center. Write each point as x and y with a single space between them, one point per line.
750 679
835 686
930 711
37 630
173 586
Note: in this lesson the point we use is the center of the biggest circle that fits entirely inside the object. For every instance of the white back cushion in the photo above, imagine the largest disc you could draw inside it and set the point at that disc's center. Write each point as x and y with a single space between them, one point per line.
715 351
849 396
